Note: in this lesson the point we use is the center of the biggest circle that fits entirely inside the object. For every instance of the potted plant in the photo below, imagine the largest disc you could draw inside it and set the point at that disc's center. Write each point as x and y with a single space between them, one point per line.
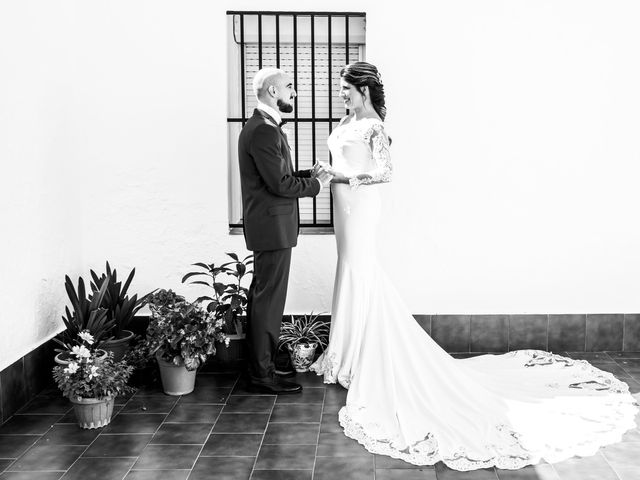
181 335
87 316
227 300
301 336
120 309
90 385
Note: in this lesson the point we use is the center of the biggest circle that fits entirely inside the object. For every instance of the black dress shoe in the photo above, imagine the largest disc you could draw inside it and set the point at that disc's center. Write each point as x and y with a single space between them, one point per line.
274 385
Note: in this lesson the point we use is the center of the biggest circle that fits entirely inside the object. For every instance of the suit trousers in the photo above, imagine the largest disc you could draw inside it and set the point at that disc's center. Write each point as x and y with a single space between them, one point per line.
266 299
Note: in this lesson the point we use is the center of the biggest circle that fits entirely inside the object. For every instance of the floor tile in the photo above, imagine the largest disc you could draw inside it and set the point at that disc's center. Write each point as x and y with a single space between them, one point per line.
248 404
220 380
330 423
52 404
622 453
610 367
70 417
627 472
335 395
384 461
158 475
358 468
29 424
282 475
591 356
339 445
292 433
308 379
542 471
241 423
135 423
206 395
223 468
31 475
283 457
297 413
587 468
122 445
194 413
182 433
150 404
99 469
167 457
68 434
47 457
12 446
445 473
620 355
406 474
308 395
232 444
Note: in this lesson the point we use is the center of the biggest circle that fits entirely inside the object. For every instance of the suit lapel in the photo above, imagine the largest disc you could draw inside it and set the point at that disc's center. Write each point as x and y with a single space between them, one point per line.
269 118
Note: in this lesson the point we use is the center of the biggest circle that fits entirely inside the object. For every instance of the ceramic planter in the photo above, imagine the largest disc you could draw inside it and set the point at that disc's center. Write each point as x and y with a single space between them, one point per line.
93 412
64 358
232 353
176 379
302 356
119 346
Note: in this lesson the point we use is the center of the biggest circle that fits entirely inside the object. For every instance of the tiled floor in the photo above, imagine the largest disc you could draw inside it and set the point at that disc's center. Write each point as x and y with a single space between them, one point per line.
222 431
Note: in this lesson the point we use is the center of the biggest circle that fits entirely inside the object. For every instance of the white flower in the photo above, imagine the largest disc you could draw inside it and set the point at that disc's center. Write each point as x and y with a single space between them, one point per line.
93 373
81 351
71 368
226 341
86 336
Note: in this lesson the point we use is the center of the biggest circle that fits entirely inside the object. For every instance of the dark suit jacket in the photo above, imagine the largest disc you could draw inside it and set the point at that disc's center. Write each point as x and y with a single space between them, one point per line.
270 187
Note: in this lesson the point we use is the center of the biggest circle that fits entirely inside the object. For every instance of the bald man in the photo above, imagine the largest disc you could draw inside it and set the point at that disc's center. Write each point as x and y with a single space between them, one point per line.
270 192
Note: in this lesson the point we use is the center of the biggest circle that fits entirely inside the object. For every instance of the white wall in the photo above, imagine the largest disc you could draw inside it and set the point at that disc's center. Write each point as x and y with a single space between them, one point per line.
514 130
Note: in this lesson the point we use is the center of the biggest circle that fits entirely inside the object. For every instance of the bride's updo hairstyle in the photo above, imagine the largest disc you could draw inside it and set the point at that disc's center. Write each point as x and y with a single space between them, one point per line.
363 74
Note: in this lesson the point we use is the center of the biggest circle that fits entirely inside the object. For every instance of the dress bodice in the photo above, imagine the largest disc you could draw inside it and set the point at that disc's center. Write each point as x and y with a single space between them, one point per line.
361 147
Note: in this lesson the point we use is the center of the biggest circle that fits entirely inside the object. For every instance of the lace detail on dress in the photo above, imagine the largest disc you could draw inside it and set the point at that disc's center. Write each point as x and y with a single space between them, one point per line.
508 450
328 366
379 143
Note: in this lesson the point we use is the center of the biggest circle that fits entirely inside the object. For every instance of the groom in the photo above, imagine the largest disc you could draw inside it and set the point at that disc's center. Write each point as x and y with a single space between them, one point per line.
270 192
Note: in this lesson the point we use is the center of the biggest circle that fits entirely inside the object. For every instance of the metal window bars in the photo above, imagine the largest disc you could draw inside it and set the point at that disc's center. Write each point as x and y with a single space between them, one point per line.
312 46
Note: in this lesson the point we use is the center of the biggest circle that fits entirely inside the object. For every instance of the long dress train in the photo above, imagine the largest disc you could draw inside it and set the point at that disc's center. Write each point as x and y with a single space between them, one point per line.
411 400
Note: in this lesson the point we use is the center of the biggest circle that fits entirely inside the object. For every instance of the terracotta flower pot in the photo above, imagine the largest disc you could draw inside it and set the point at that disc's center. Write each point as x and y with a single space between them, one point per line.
302 356
93 412
119 346
176 379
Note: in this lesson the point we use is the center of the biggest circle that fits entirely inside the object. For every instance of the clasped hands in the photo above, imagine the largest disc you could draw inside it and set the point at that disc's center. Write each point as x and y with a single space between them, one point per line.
326 174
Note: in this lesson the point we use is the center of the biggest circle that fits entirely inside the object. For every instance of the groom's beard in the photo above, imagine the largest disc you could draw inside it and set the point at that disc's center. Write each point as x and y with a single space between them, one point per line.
284 106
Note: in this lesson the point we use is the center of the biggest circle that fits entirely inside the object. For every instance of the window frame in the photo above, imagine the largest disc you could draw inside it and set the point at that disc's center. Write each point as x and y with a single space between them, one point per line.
313 227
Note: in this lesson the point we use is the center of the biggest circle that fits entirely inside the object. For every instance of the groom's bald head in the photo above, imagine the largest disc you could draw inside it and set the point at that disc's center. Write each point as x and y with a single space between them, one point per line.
264 79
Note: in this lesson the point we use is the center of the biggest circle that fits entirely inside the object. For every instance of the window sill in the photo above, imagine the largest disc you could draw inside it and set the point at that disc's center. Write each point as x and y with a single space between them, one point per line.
328 230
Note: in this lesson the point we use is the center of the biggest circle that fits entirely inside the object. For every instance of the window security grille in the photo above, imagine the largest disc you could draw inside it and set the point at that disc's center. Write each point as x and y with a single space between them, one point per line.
290 41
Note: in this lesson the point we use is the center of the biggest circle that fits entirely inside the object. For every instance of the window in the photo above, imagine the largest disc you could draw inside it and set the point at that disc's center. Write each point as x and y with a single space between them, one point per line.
312 47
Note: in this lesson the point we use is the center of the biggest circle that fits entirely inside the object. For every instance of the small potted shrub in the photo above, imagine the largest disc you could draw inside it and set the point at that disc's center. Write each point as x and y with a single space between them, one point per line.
228 286
87 316
181 335
120 309
301 336
89 384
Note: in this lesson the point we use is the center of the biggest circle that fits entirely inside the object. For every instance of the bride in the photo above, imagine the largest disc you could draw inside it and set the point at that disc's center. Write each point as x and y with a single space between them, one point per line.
407 397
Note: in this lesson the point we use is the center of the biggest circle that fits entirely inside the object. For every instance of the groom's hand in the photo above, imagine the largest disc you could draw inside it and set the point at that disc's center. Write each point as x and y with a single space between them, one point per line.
324 177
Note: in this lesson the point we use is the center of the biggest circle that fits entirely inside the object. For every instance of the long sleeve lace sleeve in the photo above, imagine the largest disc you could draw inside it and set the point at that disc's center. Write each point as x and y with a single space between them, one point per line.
379 144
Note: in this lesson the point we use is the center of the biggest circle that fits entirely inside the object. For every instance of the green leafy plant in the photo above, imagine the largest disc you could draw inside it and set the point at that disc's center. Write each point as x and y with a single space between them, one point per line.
120 308
85 377
228 298
181 332
304 330
88 315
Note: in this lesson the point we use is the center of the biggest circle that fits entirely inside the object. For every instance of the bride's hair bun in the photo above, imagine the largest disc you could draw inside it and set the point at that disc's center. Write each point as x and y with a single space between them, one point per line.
363 74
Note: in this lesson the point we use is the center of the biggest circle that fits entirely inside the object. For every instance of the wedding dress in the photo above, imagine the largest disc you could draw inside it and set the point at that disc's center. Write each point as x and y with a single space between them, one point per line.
407 397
